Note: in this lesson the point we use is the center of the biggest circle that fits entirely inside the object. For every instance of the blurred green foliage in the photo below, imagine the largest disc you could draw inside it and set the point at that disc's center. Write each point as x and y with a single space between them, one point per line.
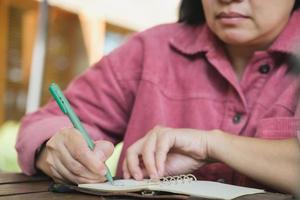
8 154
112 162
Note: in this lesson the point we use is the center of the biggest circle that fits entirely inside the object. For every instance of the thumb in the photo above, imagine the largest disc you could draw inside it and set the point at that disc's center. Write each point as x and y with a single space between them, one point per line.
103 149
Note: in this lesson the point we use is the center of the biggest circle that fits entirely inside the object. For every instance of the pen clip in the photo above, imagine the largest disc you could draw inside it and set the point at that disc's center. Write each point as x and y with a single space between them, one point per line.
57 95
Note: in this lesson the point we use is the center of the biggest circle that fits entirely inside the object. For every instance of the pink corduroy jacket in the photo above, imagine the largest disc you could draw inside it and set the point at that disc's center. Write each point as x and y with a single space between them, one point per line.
178 76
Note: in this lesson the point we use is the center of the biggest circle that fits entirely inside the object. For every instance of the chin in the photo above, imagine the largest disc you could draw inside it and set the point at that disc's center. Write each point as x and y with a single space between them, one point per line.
235 39
235 42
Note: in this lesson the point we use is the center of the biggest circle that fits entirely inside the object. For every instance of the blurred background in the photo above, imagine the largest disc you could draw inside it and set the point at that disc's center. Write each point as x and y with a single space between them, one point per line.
59 39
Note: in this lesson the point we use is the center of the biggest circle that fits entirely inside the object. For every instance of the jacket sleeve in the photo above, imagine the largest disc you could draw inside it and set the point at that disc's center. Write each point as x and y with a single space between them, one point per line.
99 97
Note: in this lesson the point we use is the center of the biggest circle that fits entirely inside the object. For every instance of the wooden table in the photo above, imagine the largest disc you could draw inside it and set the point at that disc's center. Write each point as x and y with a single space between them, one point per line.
20 187
15 186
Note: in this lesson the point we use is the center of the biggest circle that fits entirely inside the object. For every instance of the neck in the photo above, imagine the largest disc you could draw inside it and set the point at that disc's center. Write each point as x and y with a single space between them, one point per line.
240 56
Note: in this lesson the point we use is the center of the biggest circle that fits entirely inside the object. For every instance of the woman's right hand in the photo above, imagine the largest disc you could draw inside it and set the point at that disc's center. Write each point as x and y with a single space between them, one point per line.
67 158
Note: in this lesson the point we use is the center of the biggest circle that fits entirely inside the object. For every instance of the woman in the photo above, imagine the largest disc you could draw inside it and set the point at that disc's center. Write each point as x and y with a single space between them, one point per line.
211 95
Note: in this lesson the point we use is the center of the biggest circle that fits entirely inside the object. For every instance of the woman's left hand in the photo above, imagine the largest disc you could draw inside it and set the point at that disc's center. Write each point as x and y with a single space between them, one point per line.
166 151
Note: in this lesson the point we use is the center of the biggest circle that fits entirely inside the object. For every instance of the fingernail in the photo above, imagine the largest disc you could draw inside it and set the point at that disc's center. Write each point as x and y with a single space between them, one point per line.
154 176
160 173
126 175
137 176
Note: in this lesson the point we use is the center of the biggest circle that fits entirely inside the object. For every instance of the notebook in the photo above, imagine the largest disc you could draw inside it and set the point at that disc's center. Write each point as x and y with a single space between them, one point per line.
183 184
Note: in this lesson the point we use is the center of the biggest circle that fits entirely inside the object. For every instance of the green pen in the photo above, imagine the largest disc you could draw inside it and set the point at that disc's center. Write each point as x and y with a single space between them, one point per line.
65 107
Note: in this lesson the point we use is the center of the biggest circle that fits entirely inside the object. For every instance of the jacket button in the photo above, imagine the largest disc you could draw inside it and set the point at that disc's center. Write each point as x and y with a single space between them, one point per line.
237 118
264 69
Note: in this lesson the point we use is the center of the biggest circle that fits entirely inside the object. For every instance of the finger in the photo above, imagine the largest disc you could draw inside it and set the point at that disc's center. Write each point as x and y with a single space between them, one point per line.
68 175
148 154
103 149
79 150
74 166
163 146
125 170
51 171
133 162
57 177
126 173
62 171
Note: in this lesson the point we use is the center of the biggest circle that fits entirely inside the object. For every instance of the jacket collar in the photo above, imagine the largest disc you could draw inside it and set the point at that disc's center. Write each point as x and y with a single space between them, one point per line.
288 40
193 39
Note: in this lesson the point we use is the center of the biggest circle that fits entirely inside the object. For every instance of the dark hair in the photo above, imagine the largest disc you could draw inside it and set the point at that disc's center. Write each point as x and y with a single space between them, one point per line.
191 11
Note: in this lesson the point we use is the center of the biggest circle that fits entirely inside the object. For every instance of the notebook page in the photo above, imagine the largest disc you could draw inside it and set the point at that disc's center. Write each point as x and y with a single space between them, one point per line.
208 189
124 185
